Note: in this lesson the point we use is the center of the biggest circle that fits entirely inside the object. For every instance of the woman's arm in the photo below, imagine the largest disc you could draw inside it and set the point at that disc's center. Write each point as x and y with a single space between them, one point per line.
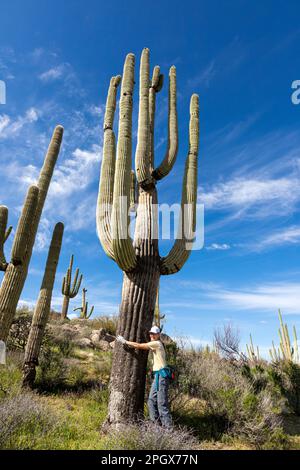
132 344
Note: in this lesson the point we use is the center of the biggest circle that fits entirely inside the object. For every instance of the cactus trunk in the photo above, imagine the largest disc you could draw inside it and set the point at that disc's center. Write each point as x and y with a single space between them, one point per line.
42 309
65 307
128 374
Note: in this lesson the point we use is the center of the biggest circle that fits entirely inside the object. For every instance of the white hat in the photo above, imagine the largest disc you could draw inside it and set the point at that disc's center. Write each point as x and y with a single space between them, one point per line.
155 330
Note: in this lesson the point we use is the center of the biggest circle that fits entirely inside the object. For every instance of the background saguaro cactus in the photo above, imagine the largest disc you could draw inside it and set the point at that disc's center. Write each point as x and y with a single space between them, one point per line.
42 309
17 269
84 306
70 290
253 354
4 234
157 315
286 350
140 260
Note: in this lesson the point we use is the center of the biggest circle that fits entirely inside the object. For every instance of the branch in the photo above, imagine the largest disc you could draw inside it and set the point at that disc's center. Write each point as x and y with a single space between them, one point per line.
167 164
123 250
142 163
106 185
179 254
156 86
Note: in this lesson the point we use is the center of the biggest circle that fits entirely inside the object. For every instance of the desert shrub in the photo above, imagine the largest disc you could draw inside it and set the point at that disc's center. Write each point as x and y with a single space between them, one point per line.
51 369
74 377
150 436
109 323
23 419
242 400
286 375
19 331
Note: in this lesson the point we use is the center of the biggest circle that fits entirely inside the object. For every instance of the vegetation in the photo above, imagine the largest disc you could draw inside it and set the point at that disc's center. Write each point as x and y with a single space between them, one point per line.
216 401
68 289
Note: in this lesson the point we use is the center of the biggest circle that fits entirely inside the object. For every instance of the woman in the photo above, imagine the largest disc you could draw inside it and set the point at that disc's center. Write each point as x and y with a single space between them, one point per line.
158 397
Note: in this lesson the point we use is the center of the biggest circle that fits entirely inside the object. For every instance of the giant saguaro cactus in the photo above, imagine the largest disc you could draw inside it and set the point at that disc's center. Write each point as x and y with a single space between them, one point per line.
140 260
68 289
42 309
84 309
17 269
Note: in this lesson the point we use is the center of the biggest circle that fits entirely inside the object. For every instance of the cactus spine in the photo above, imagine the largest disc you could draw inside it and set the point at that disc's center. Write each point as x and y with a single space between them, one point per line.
84 307
17 269
4 234
139 259
70 290
42 309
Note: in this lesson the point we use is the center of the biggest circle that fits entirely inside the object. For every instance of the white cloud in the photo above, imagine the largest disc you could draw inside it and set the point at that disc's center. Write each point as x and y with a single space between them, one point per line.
75 173
4 122
53 74
9 128
264 297
268 297
205 76
288 236
247 192
217 246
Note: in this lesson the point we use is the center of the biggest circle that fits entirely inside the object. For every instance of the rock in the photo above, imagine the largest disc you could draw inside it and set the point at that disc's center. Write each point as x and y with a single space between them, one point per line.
84 343
102 345
109 338
95 336
101 333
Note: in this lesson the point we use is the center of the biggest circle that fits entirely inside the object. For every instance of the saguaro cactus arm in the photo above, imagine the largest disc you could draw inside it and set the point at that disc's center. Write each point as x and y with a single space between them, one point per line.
106 185
122 244
23 232
4 234
167 164
156 86
178 255
133 198
142 162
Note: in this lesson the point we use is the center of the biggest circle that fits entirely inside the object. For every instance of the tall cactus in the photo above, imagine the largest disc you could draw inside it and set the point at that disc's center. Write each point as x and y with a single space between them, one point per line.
17 269
4 234
68 289
139 259
84 307
42 309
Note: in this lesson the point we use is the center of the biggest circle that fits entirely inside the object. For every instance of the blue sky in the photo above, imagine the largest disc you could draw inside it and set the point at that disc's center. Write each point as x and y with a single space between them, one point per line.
241 57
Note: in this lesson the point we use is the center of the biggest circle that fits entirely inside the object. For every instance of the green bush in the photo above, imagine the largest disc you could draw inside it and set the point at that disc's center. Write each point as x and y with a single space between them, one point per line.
109 323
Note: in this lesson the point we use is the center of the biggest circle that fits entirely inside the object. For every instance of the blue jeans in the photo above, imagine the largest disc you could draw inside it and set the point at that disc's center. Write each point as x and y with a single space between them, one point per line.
158 402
